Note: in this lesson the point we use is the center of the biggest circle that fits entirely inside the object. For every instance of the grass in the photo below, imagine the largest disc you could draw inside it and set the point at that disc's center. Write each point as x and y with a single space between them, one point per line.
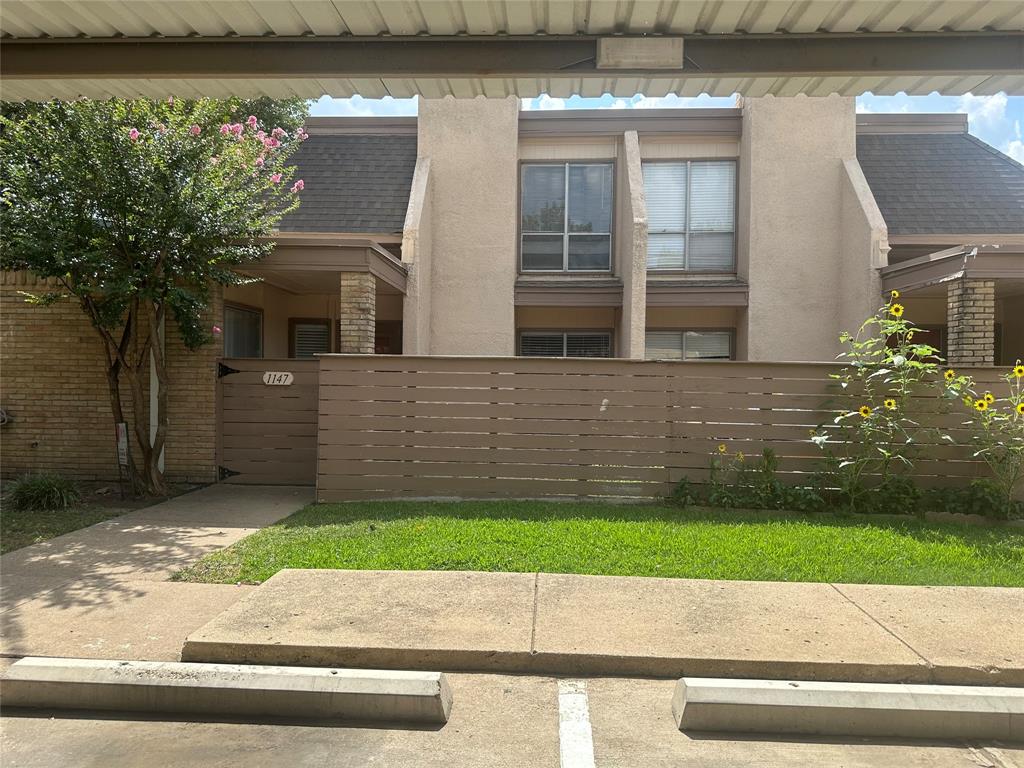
21 528
593 538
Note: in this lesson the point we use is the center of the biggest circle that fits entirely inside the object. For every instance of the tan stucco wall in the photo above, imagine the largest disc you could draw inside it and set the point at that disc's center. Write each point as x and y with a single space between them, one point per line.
472 145
864 245
691 317
632 250
417 249
790 206
687 147
541 318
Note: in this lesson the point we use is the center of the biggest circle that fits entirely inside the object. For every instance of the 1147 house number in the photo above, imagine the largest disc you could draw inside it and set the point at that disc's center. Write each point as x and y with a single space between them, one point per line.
278 378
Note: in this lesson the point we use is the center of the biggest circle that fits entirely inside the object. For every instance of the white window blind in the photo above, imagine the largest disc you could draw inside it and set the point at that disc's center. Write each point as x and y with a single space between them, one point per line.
565 344
691 215
311 339
689 345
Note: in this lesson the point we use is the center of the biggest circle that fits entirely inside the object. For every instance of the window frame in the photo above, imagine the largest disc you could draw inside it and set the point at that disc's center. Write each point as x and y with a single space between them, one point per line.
686 248
731 332
520 233
294 321
238 306
565 333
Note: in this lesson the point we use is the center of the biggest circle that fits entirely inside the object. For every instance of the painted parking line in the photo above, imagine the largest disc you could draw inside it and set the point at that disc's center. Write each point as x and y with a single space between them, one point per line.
575 738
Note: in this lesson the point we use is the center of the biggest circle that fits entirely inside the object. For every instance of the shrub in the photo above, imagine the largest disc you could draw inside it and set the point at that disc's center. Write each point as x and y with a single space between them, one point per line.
738 482
981 497
683 495
43 491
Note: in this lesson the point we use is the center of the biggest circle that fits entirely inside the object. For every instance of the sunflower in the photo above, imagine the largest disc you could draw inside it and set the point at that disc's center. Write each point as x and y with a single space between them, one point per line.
722 448
968 400
989 398
895 294
1018 371
896 310
864 410
1020 409
950 374
890 404
980 405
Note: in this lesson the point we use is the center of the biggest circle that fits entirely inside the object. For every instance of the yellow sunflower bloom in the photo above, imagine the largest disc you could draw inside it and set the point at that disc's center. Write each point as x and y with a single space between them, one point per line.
722 448
980 405
950 374
1020 409
864 411
890 404
895 294
896 310
1018 371
989 398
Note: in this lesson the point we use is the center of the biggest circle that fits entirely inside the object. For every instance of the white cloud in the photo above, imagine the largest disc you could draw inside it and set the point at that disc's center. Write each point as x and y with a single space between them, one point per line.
672 101
357 106
983 111
1015 147
543 102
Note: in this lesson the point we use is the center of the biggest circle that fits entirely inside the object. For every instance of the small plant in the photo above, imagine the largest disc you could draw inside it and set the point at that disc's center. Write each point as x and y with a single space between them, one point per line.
879 436
738 482
43 491
981 497
683 495
997 430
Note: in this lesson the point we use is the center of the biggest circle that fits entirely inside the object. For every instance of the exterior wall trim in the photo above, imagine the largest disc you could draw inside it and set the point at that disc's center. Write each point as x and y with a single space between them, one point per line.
952 264
353 256
563 293
676 294
598 122
923 123
358 126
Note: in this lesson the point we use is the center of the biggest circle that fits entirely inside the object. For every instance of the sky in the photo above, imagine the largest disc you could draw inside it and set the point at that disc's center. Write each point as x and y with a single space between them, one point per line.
997 119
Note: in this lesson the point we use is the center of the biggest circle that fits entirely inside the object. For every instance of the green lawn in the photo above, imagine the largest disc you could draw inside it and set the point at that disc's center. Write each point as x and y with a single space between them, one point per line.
19 529
619 540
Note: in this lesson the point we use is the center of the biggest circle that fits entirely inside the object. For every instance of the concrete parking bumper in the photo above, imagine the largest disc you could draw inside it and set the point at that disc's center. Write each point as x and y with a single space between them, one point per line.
228 690
849 709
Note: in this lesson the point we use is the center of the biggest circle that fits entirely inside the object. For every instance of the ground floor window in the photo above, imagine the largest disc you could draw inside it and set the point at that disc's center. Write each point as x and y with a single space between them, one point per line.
243 331
685 344
308 337
565 344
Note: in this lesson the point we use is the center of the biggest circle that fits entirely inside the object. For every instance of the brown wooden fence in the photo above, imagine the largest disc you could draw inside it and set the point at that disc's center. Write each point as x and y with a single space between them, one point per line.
400 426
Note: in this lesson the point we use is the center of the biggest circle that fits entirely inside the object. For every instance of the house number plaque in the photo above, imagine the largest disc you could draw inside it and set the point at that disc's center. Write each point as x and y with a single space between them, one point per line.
278 378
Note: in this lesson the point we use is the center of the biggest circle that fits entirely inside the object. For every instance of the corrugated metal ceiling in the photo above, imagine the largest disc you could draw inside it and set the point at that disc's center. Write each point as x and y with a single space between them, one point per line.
217 18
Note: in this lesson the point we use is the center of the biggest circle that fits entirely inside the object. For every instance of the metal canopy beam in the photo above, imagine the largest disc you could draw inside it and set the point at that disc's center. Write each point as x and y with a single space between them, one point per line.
50 61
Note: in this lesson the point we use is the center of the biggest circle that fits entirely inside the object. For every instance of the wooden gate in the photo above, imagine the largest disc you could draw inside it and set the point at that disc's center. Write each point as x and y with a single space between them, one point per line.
267 421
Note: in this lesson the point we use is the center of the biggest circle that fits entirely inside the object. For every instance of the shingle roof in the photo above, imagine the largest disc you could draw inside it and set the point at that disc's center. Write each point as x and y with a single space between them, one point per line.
354 183
942 183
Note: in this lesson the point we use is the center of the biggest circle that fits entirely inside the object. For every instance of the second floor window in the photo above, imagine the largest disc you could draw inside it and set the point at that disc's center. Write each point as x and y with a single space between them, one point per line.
691 215
566 220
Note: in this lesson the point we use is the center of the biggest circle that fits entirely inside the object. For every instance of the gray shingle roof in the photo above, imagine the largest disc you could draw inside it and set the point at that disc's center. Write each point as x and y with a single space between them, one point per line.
942 183
353 183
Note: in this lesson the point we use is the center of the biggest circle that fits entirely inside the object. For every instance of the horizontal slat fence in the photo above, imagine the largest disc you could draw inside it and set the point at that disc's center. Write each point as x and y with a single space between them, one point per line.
267 434
393 427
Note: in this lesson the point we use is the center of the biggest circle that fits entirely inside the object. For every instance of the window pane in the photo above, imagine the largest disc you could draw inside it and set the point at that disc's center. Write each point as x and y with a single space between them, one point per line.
243 333
664 345
542 345
311 339
588 345
665 194
712 251
712 196
590 198
708 345
590 252
666 251
542 252
543 198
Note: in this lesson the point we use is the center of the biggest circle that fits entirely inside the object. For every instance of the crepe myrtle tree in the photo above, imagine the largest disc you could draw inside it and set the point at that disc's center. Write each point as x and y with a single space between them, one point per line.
134 209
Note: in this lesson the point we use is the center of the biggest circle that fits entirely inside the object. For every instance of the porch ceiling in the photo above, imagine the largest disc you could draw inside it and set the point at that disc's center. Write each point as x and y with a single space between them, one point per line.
497 48
928 275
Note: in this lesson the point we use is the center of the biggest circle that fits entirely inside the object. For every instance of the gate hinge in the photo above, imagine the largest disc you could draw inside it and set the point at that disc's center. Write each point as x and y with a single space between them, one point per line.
225 370
223 473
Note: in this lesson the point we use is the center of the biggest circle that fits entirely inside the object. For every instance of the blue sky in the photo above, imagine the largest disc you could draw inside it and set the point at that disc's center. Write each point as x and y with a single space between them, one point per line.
997 119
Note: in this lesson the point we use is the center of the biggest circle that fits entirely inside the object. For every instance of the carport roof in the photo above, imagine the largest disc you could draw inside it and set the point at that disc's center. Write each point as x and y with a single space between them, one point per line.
939 183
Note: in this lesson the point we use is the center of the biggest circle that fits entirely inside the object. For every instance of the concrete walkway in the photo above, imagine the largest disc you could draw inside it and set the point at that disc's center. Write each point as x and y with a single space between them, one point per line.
102 592
599 625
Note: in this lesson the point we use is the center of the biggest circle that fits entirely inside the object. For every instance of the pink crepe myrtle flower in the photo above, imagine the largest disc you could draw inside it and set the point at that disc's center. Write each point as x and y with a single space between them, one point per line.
298 186
217 330
278 133
261 135
260 161
271 143
195 130
225 129
133 134
170 100
237 128
252 122
302 134
276 178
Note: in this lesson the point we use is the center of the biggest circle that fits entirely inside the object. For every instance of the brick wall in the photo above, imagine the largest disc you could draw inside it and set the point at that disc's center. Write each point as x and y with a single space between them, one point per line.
53 386
971 313
357 317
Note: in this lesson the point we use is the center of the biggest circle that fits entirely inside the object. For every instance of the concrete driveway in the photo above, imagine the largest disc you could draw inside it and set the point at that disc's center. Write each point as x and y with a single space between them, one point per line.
102 592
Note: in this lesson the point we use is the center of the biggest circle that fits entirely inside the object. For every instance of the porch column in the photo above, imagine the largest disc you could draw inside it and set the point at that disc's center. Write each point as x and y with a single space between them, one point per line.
971 321
357 313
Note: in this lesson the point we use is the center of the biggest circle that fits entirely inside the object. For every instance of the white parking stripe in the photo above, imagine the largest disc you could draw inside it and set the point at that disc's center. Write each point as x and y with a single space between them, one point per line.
575 739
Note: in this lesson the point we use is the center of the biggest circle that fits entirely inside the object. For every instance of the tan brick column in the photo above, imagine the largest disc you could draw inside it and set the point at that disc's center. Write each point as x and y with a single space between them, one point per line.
971 321
357 315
